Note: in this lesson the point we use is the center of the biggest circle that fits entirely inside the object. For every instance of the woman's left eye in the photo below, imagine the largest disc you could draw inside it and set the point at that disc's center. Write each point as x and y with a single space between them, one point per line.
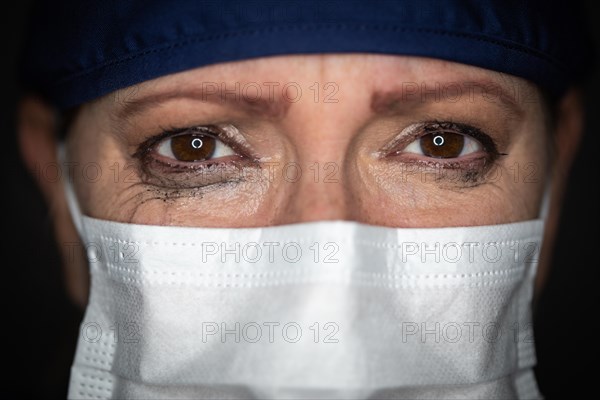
444 144
193 147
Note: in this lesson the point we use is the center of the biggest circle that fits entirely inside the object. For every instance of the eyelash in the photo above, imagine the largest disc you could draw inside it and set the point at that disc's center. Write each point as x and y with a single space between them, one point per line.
150 145
472 169
192 172
418 131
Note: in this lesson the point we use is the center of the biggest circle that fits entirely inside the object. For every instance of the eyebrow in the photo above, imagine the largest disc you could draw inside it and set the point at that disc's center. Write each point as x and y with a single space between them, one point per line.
411 93
382 102
270 107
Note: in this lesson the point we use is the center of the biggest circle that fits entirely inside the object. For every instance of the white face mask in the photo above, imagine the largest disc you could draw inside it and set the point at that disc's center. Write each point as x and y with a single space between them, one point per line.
314 310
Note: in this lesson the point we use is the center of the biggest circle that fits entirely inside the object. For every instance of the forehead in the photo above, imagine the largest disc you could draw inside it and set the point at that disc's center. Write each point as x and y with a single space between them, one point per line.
385 79
390 70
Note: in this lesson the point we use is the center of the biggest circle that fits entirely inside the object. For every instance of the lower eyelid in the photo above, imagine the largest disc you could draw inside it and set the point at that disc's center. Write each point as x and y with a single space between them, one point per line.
449 173
463 162
170 165
178 175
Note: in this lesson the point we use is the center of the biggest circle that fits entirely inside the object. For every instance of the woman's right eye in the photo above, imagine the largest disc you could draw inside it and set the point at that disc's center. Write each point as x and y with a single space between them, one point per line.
193 147
195 157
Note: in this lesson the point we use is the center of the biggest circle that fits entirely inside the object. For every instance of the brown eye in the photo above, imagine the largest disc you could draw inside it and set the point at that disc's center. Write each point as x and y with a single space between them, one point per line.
444 144
193 147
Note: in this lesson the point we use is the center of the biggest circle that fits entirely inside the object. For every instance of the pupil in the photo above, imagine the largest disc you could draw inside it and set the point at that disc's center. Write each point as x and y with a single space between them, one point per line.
438 140
196 143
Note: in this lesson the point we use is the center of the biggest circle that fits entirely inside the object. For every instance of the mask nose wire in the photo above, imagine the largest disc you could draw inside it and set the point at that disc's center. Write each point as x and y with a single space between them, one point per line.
70 195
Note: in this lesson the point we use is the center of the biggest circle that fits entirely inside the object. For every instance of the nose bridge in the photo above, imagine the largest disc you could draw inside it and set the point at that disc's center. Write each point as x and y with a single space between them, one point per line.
315 180
321 133
316 191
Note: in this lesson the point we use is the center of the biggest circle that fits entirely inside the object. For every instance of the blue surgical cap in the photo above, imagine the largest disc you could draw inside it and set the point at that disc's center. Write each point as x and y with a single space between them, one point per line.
79 50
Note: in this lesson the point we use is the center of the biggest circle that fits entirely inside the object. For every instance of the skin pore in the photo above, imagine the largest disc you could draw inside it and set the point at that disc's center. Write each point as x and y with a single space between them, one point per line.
385 140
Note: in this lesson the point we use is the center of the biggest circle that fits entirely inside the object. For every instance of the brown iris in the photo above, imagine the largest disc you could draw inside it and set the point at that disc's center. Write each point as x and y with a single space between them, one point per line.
193 147
442 144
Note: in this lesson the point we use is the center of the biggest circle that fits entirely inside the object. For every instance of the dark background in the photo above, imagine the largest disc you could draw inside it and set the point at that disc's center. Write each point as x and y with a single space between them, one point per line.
42 326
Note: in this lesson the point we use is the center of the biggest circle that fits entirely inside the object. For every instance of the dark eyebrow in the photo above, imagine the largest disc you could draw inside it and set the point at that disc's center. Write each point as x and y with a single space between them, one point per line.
411 93
264 105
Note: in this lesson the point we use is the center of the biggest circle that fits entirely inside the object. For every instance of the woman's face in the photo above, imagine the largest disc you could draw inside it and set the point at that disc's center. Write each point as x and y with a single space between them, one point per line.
384 140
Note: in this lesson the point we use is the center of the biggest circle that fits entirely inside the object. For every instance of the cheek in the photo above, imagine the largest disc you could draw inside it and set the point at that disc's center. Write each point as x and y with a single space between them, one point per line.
403 195
420 201
244 203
